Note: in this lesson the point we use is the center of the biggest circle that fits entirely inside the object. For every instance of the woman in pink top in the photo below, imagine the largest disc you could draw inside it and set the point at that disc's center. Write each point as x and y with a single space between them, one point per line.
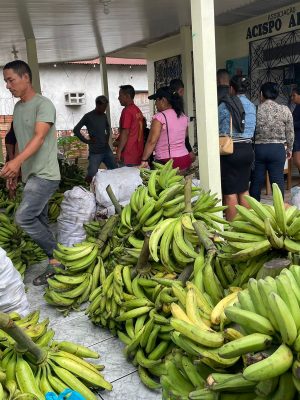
168 131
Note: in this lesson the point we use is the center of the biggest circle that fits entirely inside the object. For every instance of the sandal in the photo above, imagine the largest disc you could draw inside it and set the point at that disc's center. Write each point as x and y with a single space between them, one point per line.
51 270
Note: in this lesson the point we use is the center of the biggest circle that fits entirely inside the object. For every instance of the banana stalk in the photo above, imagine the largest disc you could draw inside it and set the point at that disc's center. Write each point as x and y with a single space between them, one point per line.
203 235
114 200
24 342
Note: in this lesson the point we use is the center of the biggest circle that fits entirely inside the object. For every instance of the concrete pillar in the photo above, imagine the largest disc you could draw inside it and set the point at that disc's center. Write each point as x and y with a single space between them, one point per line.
33 63
151 77
187 75
203 34
104 83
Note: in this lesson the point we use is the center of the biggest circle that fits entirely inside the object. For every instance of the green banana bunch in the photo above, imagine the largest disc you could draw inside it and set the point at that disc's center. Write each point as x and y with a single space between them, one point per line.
182 377
30 324
19 247
22 378
163 197
262 228
77 258
161 178
70 291
106 300
71 175
93 228
54 206
268 313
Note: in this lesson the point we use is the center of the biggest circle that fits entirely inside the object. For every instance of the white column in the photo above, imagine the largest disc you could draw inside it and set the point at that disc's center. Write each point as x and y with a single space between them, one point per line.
151 79
187 75
33 63
203 34
104 83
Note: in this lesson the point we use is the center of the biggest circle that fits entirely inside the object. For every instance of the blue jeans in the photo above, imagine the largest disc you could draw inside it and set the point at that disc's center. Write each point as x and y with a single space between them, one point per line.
271 158
96 159
32 214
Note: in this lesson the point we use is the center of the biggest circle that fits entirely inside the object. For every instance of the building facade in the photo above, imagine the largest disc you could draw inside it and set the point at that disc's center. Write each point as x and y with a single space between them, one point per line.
73 87
266 48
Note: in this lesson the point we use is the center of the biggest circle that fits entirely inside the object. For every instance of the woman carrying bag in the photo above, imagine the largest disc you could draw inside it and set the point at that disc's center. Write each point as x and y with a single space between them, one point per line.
168 131
236 167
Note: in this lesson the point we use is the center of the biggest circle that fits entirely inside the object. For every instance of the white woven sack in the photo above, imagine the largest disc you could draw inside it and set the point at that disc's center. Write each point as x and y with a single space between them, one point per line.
77 208
123 182
12 289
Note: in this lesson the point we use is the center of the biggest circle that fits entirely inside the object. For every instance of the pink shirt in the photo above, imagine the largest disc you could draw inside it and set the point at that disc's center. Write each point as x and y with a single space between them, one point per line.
177 133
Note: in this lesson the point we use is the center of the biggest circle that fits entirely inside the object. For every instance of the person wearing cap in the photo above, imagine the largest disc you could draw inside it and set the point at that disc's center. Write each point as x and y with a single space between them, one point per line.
98 128
130 143
168 131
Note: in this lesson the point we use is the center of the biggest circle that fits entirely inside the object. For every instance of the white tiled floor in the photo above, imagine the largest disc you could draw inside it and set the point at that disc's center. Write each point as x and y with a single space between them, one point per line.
77 327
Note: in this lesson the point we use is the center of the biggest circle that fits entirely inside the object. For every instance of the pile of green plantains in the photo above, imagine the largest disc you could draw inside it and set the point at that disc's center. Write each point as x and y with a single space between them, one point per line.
33 364
163 276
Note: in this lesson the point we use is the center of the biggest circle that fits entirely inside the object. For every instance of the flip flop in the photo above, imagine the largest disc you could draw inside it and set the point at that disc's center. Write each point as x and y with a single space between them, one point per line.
48 273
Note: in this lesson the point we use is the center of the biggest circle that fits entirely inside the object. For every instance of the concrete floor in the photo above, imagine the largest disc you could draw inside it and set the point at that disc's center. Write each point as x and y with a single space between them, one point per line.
77 327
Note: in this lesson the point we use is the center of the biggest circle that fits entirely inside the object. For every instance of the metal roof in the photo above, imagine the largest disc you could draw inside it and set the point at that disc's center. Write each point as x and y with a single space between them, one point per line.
68 30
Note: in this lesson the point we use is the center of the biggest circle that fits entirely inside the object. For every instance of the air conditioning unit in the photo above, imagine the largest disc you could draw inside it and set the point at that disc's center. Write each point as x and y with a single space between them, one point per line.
74 98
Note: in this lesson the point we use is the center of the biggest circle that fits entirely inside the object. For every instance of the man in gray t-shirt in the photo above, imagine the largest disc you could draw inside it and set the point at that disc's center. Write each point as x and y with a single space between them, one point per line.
99 130
34 126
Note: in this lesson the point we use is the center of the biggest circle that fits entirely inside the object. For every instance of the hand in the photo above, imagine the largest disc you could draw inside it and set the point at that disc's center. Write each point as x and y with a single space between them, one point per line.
11 185
289 154
144 164
118 155
11 169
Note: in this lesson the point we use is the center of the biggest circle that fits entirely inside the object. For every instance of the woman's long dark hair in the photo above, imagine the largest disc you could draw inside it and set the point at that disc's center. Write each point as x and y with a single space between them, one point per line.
175 100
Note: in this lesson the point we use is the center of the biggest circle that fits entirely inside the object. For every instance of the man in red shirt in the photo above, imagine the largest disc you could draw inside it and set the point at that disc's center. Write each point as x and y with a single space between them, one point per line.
131 140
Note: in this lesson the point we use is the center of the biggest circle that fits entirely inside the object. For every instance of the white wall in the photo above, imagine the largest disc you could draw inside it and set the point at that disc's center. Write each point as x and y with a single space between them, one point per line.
180 44
135 76
160 50
84 78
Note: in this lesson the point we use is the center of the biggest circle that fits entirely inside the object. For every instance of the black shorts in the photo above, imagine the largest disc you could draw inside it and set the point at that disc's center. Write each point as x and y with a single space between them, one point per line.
236 169
296 146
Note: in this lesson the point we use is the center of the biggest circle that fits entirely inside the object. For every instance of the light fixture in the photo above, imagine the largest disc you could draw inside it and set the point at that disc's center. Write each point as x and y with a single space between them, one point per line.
54 65
106 4
15 52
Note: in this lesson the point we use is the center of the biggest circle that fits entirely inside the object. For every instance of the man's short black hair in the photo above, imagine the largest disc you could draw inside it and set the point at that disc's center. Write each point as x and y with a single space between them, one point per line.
128 89
101 100
19 67
176 84
270 90
222 73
